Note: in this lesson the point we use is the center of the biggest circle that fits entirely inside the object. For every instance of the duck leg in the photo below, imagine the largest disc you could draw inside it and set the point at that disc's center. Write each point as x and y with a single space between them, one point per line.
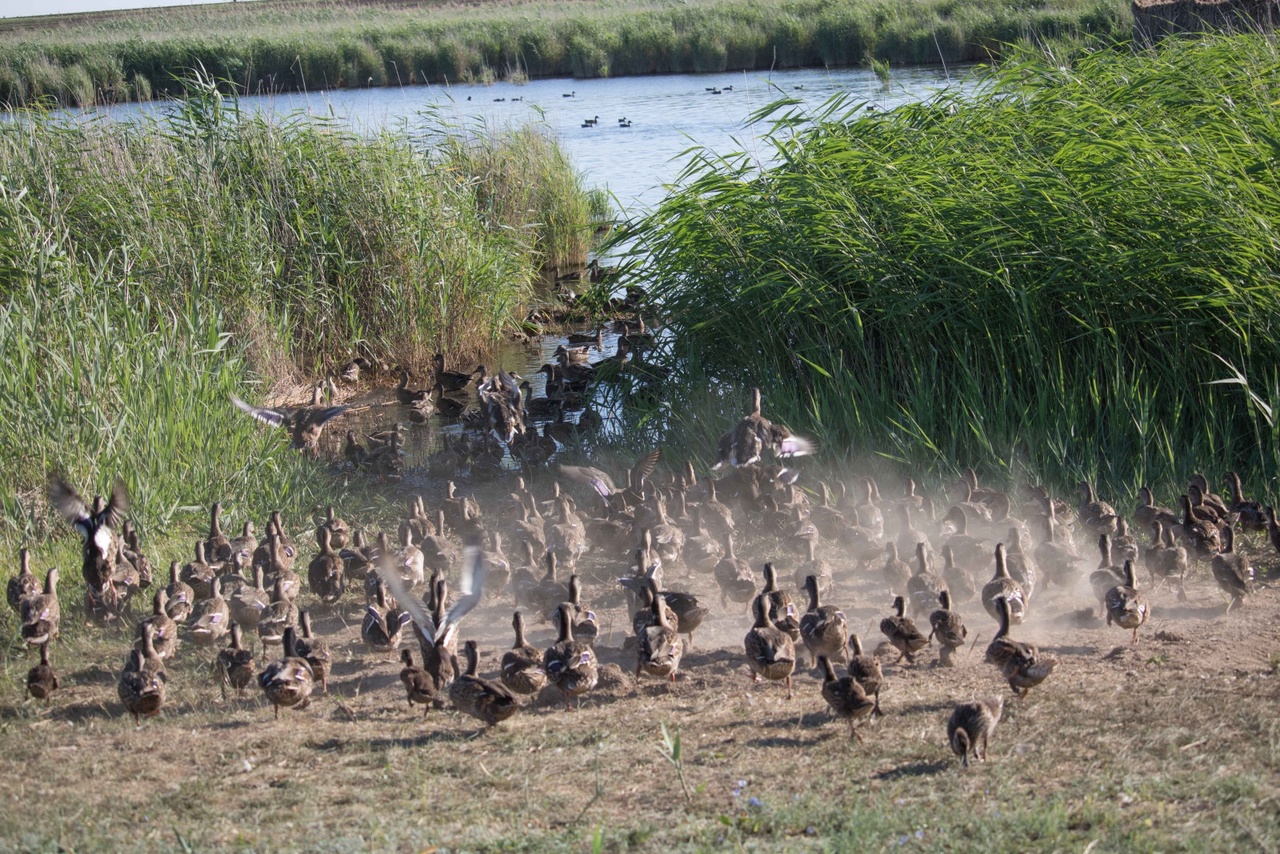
788 686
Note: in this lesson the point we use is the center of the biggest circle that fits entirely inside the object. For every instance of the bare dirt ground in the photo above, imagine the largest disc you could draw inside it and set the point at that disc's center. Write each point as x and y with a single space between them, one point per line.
1173 744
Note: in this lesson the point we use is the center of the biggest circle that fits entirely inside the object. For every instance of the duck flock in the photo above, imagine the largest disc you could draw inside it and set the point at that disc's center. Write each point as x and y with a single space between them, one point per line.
651 540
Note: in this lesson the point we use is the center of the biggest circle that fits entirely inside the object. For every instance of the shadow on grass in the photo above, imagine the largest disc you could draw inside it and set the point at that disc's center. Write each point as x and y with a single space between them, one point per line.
914 769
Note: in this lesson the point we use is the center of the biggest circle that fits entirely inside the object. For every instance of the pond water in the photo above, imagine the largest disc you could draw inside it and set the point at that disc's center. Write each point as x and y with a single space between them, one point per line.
645 127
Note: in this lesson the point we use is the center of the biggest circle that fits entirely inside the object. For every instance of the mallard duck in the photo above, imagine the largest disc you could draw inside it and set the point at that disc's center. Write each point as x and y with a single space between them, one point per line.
909 536
248 603
782 610
701 550
339 530
288 681
567 537
1148 511
42 681
959 580
586 627
689 613
304 425
1021 664
1231 570
746 442
1167 559
142 682
450 381
1059 560
865 669
522 664
483 699
1125 604
925 585
350 373
216 545
547 595
971 725
966 549
734 576
658 646
315 650
1107 575
409 396
570 665
1203 537
1001 584
164 627
1250 515
948 628
896 573
1097 516
280 615
845 697
23 584
1218 507
325 573
770 651
1021 567
96 527
643 616
235 664
180 598
902 632
41 614
823 628
419 686
382 626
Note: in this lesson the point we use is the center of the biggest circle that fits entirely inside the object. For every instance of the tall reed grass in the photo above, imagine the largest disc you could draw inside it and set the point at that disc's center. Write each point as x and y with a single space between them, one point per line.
275 46
1072 273
149 270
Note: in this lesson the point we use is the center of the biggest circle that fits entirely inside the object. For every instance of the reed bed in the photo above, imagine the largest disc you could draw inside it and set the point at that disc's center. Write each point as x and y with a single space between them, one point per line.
1071 274
149 270
274 45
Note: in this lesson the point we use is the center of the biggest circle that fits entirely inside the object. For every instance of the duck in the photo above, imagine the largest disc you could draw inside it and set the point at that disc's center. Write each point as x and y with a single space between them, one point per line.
235 664
1059 560
971 725
1231 570
382 626
419 686
948 627
1108 574
304 425
925 585
1021 567
522 670
902 632
339 530
643 616
450 381
199 574
701 550
165 628
1148 511
896 573
734 576
782 610
23 584
966 549
1020 663
141 687
865 669
549 592
326 572
179 596
1002 585
247 604
279 616
41 613
823 628
409 396
288 681
42 680
1126 606
483 699
746 442
770 651
960 583
1250 515
315 650
570 665
216 545
658 646
689 613
1167 559
844 696
1098 516
1203 537
586 627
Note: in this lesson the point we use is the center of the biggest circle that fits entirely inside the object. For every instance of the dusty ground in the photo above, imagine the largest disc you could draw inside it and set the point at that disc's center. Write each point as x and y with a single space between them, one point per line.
1170 745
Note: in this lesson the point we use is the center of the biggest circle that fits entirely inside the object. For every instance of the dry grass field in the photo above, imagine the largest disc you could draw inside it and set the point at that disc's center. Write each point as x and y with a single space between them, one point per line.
1173 744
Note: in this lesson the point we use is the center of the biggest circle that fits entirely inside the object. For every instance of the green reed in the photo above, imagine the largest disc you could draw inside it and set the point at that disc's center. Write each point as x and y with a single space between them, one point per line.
1071 274
267 46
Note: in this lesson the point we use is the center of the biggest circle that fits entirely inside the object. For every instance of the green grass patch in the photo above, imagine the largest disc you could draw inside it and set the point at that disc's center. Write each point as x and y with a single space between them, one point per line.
1071 274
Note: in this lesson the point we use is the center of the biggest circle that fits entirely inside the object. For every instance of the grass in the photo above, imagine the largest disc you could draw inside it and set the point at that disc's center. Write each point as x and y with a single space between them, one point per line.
1071 274
277 45
150 270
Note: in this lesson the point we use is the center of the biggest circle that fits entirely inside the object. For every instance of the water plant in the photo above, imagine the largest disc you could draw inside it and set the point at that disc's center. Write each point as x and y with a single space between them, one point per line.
1070 274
